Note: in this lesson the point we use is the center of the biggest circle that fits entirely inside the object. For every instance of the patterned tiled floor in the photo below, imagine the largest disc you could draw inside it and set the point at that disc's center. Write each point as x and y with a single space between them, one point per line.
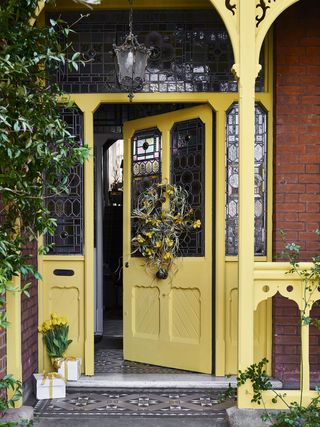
142 403
110 361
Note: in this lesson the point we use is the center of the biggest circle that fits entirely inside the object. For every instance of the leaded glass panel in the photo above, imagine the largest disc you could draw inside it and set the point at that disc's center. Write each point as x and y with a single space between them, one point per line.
187 170
192 51
232 180
67 208
146 161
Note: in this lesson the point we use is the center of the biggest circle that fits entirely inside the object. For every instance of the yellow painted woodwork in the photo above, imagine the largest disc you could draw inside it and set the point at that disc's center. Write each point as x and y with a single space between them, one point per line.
226 356
255 328
14 357
168 322
246 75
64 295
89 246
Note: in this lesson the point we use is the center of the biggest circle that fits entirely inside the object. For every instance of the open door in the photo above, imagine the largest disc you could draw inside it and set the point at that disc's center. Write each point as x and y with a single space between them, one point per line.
169 322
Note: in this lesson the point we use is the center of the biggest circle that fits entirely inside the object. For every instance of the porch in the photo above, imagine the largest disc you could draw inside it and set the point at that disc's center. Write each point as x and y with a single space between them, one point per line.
245 282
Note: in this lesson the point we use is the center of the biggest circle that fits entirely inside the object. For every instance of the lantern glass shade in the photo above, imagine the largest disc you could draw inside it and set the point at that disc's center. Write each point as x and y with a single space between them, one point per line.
131 63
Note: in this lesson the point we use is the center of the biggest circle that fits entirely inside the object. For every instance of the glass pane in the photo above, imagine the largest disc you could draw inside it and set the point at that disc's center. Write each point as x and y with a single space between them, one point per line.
232 171
187 170
145 164
67 208
192 51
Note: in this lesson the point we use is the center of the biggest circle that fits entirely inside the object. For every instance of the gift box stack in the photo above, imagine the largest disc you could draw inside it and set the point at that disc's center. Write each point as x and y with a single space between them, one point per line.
53 384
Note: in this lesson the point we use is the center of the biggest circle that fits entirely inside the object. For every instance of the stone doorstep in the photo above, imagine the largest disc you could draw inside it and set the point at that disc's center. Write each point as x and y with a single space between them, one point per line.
157 381
18 414
248 417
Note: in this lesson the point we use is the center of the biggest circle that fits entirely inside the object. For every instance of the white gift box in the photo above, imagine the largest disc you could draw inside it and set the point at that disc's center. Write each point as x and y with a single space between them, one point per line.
70 369
49 387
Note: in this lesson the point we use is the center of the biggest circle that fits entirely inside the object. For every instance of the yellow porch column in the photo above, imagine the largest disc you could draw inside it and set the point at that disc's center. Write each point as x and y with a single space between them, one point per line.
88 245
246 71
14 361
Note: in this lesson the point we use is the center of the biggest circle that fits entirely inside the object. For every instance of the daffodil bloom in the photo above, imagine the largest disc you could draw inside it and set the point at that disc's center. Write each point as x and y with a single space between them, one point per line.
149 252
197 224
167 255
149 234
140 239
158 244
169 243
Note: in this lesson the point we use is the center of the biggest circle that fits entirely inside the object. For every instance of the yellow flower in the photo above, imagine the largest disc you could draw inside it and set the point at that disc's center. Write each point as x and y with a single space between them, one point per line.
167 255
149 252
54 316
158 244
169 243
197 224
140 239
63 320
149 233
178 219
169 190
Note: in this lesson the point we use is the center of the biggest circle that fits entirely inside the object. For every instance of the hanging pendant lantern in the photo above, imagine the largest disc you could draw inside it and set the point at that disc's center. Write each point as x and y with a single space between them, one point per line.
131 60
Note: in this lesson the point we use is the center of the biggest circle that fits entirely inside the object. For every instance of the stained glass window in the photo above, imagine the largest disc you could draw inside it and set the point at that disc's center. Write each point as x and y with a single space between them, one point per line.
192 51
232 180
67 208
146 160
187 170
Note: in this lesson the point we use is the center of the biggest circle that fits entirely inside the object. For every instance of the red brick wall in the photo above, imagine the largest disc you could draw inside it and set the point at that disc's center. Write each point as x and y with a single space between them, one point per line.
296 165
29 320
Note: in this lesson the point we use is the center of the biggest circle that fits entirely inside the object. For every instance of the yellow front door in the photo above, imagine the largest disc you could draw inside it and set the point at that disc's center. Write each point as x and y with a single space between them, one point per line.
168 322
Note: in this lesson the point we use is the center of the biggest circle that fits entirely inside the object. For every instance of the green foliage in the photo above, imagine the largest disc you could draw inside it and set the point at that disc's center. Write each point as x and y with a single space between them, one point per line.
37 149
57 341
259 378
8 382
21 423
298 415
55 333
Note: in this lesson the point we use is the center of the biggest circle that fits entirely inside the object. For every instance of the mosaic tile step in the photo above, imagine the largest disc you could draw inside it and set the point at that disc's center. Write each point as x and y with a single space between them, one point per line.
134 402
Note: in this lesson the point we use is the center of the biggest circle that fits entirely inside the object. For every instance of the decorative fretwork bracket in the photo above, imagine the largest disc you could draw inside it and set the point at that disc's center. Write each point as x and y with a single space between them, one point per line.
262 7
231 7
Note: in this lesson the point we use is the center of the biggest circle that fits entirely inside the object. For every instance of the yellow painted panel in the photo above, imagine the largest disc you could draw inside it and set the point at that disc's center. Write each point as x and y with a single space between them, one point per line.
185 315
262 323
65 296
146 312
190 288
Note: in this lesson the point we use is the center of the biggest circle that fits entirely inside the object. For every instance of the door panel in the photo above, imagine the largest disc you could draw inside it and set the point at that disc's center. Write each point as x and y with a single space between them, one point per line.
169 322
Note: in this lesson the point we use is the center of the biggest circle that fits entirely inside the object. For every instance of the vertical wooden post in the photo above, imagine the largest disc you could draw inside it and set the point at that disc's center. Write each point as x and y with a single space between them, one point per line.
305 362
247 69
14 357
89 244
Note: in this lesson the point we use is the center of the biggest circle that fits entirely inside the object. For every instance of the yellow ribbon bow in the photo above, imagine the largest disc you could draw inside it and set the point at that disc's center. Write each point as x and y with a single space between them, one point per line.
57 362
50 376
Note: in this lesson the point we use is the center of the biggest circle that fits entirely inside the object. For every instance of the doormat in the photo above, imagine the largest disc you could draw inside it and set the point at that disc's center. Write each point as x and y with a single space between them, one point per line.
135 402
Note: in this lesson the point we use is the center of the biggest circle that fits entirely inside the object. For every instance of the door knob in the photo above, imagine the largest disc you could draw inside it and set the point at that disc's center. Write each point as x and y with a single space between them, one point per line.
126 264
